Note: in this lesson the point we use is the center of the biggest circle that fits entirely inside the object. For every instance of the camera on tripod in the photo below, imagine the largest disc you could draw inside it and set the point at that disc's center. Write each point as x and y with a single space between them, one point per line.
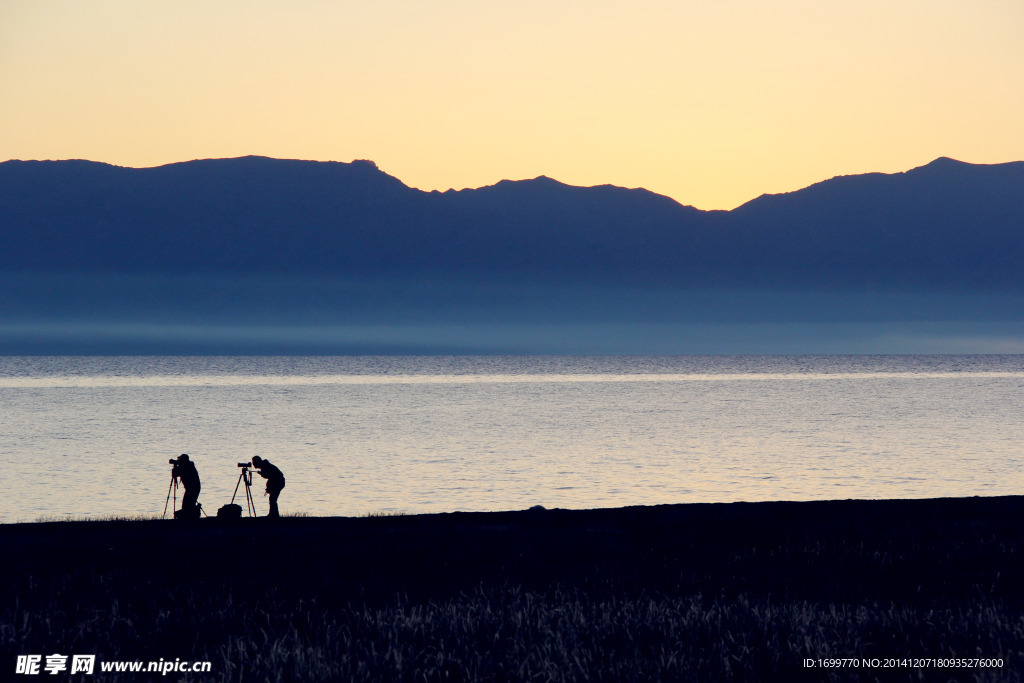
172 461
244 477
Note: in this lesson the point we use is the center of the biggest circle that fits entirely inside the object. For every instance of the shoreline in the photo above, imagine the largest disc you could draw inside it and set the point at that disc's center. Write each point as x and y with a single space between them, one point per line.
661 513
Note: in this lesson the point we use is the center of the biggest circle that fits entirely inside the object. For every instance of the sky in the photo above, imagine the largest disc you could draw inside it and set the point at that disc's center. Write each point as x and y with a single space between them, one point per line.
712 103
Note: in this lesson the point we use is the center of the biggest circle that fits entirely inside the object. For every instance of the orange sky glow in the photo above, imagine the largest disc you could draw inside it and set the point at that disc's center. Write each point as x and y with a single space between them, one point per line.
710 102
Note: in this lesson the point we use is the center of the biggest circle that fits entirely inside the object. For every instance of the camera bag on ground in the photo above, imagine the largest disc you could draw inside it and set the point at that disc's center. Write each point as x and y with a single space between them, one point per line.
230 511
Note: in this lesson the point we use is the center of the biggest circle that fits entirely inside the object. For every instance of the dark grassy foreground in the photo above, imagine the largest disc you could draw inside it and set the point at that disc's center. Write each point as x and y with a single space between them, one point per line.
685 592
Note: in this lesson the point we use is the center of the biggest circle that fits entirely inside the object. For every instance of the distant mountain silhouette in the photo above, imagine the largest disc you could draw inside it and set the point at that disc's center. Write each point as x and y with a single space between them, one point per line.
947 222
944 224
268 256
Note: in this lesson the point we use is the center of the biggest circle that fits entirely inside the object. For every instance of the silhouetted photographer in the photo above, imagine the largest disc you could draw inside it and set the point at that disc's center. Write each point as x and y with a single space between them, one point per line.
275 481
185 470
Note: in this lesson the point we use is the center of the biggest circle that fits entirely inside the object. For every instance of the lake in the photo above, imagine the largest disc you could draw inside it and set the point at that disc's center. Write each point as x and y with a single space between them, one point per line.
91 436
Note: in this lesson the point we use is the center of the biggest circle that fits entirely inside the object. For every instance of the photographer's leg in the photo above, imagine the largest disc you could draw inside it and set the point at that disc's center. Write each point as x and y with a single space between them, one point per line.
274 493
188 502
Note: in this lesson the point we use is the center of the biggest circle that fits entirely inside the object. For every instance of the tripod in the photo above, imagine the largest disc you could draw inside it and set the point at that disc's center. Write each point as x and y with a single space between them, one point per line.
173 487
246 476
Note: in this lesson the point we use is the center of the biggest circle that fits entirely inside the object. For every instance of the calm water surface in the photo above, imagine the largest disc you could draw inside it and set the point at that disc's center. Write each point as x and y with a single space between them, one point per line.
91 437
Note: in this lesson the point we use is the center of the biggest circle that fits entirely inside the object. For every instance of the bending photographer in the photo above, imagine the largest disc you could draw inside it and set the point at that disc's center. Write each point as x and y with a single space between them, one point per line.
185 470
275 481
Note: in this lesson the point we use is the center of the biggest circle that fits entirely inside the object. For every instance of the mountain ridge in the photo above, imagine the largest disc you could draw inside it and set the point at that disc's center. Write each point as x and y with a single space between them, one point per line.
945 223
260 255
942 162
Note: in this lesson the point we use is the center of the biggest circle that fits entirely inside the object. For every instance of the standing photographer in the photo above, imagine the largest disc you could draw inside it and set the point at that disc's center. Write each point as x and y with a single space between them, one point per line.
275 481
185 470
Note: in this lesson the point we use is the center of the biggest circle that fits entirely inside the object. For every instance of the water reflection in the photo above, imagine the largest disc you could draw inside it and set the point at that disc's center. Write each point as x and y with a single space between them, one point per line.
91 436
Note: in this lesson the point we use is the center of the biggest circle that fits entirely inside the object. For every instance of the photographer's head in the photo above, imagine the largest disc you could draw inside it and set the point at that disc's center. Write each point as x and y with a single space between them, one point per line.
183 457
257 461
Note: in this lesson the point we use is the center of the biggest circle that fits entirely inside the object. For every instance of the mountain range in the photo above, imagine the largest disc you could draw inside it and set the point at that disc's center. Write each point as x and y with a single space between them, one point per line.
285 242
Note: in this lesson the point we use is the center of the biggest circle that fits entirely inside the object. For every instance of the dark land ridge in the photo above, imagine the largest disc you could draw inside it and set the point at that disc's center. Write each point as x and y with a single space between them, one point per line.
739 591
